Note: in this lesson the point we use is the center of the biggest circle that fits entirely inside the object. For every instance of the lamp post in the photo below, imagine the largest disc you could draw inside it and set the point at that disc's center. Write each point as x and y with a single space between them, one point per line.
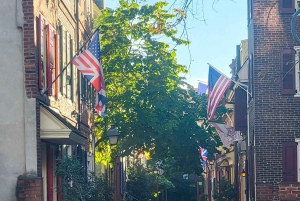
156 172
113 135
211 165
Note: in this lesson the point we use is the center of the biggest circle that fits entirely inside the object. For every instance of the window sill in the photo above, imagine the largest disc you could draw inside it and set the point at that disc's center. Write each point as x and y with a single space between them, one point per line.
297 96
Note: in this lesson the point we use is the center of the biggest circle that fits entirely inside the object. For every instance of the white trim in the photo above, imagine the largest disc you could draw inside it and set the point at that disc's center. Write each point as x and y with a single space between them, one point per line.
298 158
297 71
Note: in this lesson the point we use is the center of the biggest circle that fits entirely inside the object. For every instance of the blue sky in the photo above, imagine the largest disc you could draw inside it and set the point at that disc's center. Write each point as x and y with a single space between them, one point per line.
212 42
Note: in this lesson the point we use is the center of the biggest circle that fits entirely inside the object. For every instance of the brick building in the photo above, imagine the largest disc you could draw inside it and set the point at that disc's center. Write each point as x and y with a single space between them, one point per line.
38 39
274 129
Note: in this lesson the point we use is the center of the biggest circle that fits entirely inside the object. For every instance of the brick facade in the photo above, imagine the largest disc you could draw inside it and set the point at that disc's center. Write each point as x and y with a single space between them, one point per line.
289 192
29 50
274 118
30 189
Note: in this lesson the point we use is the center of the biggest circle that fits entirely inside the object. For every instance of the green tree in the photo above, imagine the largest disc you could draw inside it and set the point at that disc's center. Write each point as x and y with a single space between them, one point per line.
142 183
78 185
225 191
152 106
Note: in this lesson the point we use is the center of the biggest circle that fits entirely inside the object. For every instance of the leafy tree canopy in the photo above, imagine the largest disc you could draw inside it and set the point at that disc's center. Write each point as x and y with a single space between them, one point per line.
147 100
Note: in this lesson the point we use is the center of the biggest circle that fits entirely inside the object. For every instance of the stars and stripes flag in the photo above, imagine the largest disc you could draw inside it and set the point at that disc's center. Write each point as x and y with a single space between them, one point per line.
217 86
203 153
89 64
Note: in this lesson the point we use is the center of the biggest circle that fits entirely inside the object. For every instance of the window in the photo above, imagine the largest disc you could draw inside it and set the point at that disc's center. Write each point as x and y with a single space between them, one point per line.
287 6
41 52
63 59
287 72
297 70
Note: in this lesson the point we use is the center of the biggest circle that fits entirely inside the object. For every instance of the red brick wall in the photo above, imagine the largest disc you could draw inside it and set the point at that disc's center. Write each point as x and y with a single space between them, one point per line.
289 192
264 192
29 50
30 189
274 118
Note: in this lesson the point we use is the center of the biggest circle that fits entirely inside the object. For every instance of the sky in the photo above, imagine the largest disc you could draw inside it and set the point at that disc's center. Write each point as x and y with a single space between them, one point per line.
213 41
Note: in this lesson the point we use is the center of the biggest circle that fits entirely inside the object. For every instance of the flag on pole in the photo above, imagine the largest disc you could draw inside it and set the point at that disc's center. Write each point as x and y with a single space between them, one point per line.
202 87
203 153
89 64
217 86
227 133
100 102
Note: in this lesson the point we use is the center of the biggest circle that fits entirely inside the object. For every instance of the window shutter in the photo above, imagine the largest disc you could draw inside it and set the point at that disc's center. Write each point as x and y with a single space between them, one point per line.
73 73
41 49
57 66
289 161
240 109
63 58
287 72
93 97
89 95
50 57
287 6
68 70
250 76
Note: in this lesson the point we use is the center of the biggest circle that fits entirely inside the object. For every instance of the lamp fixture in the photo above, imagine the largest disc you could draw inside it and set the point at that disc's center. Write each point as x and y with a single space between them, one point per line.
243 173
155 170
113 135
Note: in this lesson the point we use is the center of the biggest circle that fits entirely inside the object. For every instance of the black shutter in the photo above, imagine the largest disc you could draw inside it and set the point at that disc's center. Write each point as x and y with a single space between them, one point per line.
251 76
287 6
287 68
240 109
289 162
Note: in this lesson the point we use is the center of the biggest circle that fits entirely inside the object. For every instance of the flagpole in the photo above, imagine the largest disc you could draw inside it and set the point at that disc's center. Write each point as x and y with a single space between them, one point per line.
79 50
238 83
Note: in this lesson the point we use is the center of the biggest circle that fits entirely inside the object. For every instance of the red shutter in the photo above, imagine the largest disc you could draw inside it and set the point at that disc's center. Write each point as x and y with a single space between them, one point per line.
50 57
240 109
57 67
41 46
287 6
287 72
289 161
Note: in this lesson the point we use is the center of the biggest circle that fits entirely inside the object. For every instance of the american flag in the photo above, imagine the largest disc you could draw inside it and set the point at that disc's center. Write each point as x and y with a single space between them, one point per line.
203 153
217 86
89 64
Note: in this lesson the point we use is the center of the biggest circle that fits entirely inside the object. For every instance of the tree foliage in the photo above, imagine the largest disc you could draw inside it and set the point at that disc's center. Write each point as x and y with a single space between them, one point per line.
78 185
152 106
142 183
225 191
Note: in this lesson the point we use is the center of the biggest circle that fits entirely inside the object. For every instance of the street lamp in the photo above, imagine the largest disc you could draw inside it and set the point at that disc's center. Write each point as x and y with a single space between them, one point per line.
113 135
244 173
156 172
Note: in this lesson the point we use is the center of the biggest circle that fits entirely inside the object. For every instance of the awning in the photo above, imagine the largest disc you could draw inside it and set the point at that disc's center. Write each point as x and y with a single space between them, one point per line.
54 130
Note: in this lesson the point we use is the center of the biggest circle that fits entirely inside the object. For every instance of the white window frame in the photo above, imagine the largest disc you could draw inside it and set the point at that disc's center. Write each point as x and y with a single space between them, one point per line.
298 158
296 5
297 70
